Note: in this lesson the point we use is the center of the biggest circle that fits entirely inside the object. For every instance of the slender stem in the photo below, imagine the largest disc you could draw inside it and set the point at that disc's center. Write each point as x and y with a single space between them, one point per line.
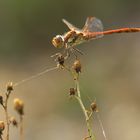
78 97
1 136
21 127
7 115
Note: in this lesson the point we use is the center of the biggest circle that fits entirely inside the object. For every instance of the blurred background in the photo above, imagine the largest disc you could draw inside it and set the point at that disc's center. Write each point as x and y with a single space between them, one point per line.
110 68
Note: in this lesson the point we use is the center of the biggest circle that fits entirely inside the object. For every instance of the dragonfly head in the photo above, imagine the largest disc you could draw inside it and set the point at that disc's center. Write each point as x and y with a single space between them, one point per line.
58 41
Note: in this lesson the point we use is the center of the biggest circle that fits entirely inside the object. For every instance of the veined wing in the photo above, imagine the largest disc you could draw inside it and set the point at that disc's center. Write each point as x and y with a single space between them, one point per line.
70 26
93 24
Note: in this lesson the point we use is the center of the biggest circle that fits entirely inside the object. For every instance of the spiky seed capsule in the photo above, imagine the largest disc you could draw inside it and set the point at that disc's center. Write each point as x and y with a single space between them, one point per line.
77 66
14 121
9 87
72 91
1 100
2 126
94 107
19 105
60 59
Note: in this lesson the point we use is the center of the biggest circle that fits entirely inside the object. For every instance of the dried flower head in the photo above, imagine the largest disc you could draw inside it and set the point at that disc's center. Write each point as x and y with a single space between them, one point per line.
72 91
9 87
60 59
13 121
1 99
2 126
94 107
19 105
77 66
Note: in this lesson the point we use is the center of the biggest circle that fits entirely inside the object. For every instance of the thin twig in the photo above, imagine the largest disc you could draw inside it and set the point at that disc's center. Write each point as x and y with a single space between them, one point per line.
35 76
21 127
1 136
7 115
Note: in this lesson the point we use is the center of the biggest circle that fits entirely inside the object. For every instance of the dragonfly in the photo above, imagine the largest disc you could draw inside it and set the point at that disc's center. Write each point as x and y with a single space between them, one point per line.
93 29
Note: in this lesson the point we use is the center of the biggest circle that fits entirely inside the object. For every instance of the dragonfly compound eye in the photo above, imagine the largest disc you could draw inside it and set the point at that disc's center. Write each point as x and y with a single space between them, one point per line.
58 41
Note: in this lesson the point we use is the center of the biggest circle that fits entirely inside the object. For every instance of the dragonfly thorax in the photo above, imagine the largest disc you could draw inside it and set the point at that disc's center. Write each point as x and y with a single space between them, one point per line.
58 41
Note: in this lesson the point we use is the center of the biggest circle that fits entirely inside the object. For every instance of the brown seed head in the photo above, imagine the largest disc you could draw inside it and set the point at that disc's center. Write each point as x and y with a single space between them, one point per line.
94 107
60 59
9 87
14 121
77 66
72 91
2 126
19 105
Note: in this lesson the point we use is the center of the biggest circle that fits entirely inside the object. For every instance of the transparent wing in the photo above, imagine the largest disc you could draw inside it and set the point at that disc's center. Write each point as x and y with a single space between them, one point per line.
93 24
70 26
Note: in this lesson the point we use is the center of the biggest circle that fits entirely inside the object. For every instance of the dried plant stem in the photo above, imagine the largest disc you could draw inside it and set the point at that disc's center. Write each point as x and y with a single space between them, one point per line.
7 115
35 76
21 127
1 137
78 97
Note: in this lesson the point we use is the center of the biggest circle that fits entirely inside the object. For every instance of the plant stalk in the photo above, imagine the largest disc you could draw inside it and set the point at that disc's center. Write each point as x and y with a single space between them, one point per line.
78 97
7 115
21 127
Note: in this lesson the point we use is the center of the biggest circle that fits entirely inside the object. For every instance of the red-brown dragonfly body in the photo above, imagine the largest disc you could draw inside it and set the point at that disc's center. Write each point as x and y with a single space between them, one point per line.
92 29
121 30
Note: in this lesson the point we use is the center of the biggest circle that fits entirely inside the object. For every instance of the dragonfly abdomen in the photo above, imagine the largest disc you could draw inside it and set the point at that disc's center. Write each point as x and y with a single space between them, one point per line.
94 35
122 30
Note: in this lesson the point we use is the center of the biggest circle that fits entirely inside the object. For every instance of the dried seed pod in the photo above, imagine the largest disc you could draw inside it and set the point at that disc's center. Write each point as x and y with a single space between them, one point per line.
77 66
72 91
2 126
60 59
94 107
19 105
13 121
1 99
9 87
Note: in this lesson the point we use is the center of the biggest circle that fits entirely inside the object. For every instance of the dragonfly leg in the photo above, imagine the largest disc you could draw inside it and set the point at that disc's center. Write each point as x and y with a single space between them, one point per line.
56 56
67 52
77 50
73 52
